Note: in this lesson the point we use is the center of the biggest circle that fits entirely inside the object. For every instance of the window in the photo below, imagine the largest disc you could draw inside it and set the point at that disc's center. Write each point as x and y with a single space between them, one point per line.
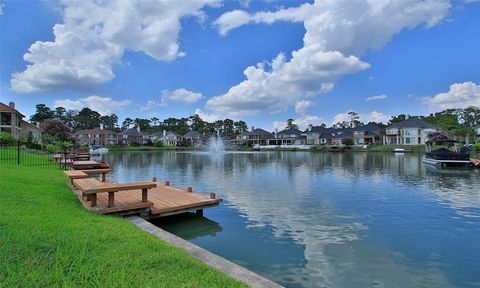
407 140
409 132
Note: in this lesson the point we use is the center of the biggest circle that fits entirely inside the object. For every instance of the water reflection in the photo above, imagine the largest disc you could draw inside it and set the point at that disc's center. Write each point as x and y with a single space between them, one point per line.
328 219
189 226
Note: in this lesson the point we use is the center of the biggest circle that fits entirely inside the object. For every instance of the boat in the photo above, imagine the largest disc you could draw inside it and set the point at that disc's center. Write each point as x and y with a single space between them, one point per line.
98 150
446 157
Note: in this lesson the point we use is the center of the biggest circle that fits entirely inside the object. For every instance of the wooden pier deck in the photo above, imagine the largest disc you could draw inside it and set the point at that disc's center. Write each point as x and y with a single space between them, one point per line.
162 200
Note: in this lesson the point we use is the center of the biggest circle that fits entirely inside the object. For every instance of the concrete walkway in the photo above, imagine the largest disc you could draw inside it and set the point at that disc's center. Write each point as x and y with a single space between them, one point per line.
231 269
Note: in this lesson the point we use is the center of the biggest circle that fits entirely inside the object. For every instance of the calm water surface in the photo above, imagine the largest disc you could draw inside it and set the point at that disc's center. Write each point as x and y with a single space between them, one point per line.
327 219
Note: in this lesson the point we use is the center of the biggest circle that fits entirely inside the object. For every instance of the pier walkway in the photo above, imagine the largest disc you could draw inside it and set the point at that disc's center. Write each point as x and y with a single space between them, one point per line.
147 199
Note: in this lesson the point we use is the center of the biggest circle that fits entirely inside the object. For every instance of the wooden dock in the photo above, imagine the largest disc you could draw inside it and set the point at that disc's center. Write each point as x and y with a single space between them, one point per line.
159 201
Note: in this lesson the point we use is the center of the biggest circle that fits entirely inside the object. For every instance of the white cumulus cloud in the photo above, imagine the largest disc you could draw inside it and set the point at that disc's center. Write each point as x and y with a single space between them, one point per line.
302 106
93 37
209 117
337 34
181 95
460 95
280 83
378 97
103 105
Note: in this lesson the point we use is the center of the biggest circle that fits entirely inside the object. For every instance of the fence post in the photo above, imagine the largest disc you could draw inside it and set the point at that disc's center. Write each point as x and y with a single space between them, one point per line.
18 152
65 159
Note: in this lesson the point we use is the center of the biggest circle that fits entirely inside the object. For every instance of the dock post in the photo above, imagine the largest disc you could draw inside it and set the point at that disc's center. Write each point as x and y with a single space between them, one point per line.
93 199
111 199
189 189
144 195
212 195
104 176
199 212
154 179
167 183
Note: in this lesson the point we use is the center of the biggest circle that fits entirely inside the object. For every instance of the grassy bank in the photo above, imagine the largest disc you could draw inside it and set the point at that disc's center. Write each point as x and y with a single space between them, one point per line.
48 239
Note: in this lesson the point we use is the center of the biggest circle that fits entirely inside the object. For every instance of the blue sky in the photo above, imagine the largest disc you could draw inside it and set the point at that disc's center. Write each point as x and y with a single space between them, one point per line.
260 61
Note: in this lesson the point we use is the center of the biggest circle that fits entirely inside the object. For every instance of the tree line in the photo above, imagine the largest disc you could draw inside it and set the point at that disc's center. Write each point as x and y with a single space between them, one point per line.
459 123
89 119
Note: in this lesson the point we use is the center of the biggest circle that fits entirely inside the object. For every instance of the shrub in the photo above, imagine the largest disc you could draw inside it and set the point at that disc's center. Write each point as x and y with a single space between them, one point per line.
6 138
65 145
347 141
135 144
476 146
51 148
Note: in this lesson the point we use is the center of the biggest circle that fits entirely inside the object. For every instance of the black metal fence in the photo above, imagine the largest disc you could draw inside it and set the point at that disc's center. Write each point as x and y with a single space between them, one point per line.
29 154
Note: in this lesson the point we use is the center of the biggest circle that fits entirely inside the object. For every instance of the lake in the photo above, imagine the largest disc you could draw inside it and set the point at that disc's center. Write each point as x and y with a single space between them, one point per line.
307 219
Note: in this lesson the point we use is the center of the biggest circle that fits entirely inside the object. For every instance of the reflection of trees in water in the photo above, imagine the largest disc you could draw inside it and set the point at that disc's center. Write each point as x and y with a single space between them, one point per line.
454 186
273 189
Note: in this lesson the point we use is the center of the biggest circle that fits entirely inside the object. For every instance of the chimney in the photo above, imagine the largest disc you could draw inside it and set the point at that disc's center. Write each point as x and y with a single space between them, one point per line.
253 128
407 116
11 104
164 133
101 126
138 128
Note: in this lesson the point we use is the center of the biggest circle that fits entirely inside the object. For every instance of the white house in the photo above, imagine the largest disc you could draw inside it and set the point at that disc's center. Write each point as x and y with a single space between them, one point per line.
412 131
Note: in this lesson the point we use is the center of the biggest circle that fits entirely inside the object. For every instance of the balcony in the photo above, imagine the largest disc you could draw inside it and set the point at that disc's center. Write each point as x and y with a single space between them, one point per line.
391 132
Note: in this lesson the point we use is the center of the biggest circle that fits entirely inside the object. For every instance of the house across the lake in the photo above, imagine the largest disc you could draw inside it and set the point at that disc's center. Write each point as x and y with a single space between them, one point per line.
96 136
368 134
167 138
195 139
412 131
130 136
288 137
361 135
254 137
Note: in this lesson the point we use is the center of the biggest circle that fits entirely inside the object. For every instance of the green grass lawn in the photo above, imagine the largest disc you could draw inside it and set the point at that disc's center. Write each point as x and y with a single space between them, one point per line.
47 239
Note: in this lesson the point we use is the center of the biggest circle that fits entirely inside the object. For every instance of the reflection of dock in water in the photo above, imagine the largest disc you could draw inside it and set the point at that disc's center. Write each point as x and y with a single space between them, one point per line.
188 226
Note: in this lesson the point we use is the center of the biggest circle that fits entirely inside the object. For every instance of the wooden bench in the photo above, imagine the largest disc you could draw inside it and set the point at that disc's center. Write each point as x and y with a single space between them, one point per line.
103 171
75 174
81 174
91 187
